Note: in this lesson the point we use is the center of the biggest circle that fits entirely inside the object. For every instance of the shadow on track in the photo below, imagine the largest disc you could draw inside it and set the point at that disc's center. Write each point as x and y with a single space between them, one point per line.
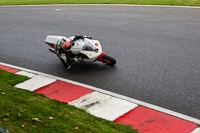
85 68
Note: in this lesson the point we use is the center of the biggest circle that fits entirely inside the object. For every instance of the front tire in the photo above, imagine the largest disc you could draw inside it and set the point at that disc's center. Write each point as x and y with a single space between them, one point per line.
108 60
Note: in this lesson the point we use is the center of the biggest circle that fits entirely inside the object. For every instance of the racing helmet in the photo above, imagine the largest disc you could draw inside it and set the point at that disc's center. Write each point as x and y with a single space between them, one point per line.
65 44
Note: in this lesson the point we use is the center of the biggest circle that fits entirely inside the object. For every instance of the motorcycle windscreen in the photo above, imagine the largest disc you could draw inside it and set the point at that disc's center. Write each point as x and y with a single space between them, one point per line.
88 46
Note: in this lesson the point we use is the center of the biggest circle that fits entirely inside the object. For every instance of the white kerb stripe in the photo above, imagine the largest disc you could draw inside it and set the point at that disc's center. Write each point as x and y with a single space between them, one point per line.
103 106
35 83
30 75
197 130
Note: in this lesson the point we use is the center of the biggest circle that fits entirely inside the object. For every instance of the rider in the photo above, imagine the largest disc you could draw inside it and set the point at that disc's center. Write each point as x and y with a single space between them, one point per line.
64 50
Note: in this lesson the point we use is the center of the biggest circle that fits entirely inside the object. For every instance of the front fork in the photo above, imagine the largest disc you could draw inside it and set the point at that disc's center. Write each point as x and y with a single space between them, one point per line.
100 57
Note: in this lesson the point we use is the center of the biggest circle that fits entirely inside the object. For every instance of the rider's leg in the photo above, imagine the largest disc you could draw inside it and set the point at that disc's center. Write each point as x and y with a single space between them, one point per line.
65 61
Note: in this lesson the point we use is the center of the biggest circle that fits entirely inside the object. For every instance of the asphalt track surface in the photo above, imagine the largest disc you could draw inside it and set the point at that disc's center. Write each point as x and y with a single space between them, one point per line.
157 49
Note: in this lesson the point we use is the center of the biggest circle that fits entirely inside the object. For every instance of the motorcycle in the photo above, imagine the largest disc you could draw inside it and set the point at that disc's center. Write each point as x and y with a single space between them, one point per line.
89 49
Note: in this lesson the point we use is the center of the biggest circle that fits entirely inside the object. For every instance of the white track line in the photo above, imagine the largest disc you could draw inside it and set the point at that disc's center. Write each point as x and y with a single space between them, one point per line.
151 106
117 5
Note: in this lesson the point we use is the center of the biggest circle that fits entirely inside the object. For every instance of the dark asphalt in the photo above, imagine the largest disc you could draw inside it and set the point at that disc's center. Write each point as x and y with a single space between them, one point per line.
157 49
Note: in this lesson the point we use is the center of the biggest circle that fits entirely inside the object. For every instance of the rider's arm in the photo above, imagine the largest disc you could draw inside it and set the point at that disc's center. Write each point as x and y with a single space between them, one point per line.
77 37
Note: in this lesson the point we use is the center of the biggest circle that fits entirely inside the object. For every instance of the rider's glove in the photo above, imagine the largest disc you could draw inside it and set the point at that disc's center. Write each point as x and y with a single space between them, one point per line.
89 37
80 59
76 59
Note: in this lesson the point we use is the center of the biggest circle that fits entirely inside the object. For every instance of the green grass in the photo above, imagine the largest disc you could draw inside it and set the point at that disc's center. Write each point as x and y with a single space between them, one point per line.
146 2
22 111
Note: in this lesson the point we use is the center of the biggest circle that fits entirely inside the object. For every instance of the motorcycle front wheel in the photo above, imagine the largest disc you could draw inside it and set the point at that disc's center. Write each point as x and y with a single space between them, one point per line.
108 60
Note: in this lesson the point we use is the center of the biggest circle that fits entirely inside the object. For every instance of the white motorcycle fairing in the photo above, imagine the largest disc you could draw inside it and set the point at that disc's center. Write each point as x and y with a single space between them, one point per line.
91 48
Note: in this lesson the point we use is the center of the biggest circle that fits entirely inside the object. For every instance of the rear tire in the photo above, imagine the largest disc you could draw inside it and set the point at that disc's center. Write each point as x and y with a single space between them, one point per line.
108 60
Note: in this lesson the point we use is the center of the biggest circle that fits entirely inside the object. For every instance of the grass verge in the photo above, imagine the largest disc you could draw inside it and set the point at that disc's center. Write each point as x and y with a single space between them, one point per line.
22 111
145 2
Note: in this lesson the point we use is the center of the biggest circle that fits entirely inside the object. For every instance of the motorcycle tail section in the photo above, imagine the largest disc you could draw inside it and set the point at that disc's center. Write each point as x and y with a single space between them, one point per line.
52 40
